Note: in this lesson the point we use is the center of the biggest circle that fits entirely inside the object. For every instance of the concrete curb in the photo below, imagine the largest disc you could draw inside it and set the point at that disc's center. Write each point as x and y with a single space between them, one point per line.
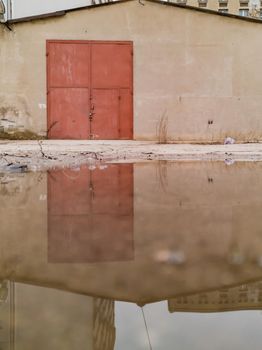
40 155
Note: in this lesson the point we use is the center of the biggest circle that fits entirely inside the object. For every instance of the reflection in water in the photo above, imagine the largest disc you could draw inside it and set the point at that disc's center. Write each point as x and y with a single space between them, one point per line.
33 317
243 297
187 233
90 216
186 331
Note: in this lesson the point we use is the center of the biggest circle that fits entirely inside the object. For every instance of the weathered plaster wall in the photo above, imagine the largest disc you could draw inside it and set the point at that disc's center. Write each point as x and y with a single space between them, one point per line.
195 74
18 83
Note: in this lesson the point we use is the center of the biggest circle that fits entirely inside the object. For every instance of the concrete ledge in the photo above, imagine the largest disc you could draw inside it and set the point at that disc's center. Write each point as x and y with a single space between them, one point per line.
40 155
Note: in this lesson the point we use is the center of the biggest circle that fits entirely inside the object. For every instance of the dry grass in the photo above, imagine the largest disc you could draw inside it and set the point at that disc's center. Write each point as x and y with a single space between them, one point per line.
162 128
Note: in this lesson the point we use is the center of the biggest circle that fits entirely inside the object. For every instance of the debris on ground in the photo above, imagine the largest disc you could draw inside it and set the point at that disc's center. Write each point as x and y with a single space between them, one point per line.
17 168
229 141
49 154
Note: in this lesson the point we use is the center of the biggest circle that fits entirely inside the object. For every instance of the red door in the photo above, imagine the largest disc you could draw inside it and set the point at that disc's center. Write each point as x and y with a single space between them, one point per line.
90 90
90 215
69 112
105 121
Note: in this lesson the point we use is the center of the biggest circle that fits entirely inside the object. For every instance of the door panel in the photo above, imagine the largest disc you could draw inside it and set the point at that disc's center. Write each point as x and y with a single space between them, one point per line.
69 65
105 123
111 65
126 114
68 113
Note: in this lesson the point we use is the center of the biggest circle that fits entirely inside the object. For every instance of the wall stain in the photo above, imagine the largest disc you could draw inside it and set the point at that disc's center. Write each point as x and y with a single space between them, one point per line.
14 121
20 135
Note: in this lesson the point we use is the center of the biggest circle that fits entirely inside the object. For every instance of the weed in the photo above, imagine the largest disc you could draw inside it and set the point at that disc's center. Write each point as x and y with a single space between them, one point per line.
162 128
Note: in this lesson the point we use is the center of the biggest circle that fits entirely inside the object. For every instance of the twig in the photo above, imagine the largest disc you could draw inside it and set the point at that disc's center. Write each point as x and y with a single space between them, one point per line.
5 159
51 127
42 152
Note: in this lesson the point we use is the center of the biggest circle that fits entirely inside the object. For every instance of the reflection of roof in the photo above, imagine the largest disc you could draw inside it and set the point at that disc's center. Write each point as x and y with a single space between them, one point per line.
242 297
142 2
104 332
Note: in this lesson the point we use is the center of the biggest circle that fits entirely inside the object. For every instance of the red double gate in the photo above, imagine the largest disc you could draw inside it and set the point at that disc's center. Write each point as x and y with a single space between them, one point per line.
90 90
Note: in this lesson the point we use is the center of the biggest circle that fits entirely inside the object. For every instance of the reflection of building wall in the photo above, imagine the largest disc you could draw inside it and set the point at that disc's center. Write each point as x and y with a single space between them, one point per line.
201 220
23 216
34 317
104 324
206 210
6 320
243 297
206 213
204 102
52 319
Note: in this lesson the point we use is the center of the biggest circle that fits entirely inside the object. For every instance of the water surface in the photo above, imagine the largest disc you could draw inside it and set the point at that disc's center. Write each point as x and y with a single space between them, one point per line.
160 255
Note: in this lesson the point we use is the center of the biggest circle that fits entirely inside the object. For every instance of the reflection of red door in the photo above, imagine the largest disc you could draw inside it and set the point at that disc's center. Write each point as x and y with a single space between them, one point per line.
90 90
90 215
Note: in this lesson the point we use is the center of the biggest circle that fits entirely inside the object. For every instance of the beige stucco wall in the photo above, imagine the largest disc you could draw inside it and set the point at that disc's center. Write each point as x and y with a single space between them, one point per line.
189 68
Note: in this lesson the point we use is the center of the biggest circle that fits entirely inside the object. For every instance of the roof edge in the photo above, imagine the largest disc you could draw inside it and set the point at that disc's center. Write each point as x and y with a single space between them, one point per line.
33 18
64 12
205 10
142 2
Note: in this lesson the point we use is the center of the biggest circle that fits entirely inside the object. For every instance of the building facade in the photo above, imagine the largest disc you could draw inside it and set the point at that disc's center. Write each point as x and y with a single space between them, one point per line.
175 73
249 8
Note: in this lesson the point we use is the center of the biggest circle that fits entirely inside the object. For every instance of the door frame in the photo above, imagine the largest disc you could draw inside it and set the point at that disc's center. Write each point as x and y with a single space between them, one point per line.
71 41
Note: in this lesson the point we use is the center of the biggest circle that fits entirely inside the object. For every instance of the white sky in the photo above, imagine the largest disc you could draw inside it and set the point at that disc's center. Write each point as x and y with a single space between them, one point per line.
24 8
186 331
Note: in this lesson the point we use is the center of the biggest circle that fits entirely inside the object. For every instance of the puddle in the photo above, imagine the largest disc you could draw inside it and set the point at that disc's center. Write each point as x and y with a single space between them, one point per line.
137 256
